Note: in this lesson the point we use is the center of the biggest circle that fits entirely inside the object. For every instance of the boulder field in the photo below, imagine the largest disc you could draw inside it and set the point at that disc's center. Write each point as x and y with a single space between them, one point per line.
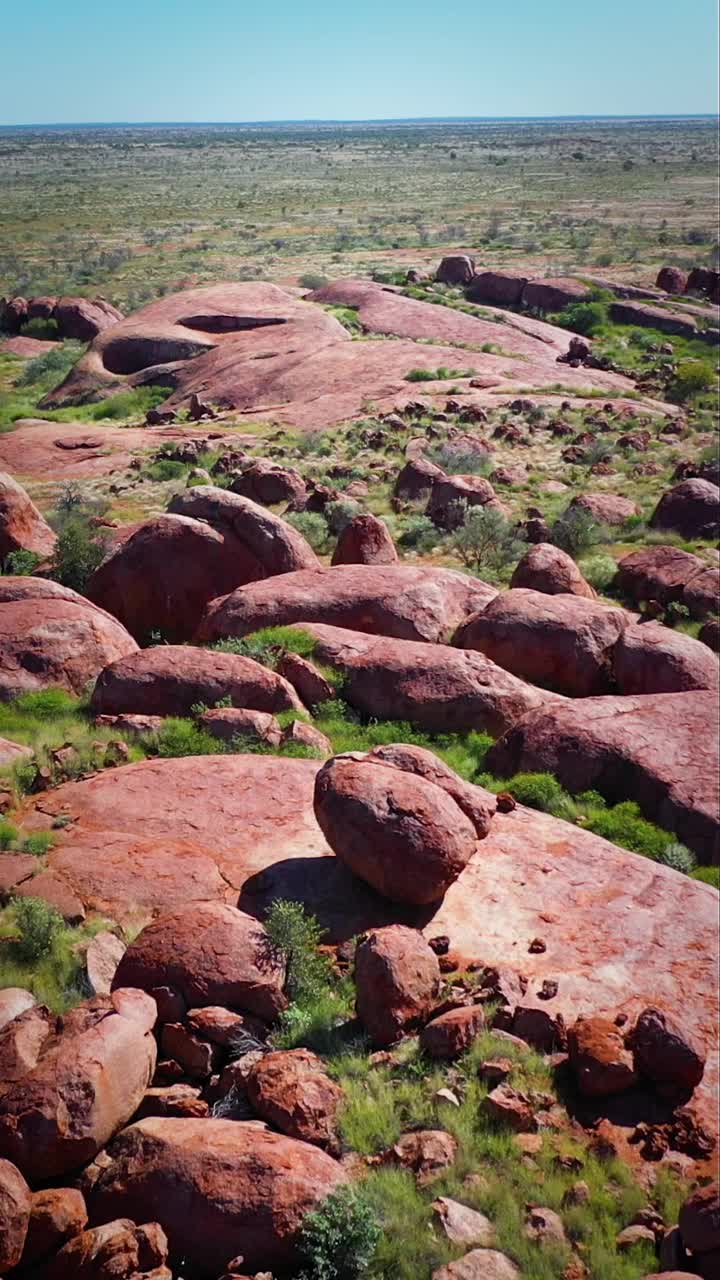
259 349
618 931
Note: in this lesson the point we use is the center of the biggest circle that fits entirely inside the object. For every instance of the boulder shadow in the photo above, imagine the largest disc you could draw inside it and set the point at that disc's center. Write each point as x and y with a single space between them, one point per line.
343 904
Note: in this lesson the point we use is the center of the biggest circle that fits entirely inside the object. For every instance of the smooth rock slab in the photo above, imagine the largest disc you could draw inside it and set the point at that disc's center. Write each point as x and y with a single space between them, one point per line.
479 1264
219 1189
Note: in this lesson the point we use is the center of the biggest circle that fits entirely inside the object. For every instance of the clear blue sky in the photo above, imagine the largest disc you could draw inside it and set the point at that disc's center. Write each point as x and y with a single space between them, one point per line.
135 60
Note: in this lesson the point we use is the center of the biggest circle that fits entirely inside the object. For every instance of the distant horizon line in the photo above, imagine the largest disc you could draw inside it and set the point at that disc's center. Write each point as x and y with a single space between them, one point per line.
369 120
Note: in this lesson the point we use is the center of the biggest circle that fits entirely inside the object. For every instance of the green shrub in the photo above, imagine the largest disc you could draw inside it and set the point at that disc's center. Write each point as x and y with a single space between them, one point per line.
538 791
9 835
338 1240
269 644
575 532
312 280
49 369
80 549
442 374
708 875
180 737
166 469
679 858
312 526
691 379
625 825
44 329
339 514
599 570
38 926
462 462
583 317
298 936
419 534
486 541
21 563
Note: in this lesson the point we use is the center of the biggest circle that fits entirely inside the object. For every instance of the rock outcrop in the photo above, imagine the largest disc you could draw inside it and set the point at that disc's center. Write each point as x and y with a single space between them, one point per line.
548 569
691 508
397 977
22 527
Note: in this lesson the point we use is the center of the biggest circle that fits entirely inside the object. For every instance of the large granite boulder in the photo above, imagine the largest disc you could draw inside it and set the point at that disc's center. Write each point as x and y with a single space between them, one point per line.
691 508
397 977
22 527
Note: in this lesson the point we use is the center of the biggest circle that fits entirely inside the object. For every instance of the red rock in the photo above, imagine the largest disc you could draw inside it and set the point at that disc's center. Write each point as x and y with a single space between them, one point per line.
169 679
545 1226
221 1026
436 687
510 1107
699 1220
502 288
198 1058
691 508
85 1087
12 752
310 684
645 316
211 954
56 893
671 280
13 314
399 832
25 348
702 593
660 751
228 723
665 1052
449 491
543 1029
426 1152
13 1002
598 1057
122 875
461 1224
456 268
416 479
665 574
306 735
83 319
220 1189
650 658
15 1205
398 600
365 540
103 955
561 642
291 1090
51 636
709 635
479 1264
397 977
118 1249
267 483
453 1032
703 280
22 527
546 568
21 1042
605 508
41 308
179 1100
553 294
56 1216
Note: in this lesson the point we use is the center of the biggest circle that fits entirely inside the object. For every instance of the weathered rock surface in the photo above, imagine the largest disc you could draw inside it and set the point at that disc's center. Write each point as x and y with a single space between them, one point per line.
21 1042
665 1052
400 832
117 1249
598 1057
461 1224
434 686
229 723
268 483
15 1205
56 1216
605 508
479 1264
691 508
365 540
86 1086
650 658
699 1220
397 977
22 527
666 574
397 600
292 1091
660 751
210 953
13 1002
84 318
548 569
218 1188
50 635
457 268
416 479
450 1034
259 544
562 642
449 492
168 680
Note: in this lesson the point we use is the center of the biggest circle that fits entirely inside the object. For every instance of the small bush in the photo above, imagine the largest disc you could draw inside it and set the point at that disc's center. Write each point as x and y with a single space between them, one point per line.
38 926
339 514
487 541
442 374
460 462
312 280
166 469
179 737
625 825
45 329
21 563
47 370
80 549
708 875
599 570
538 791
339 1239
692 378
679 858
583 317
312 526
575 532
298 936
269 644
419 534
